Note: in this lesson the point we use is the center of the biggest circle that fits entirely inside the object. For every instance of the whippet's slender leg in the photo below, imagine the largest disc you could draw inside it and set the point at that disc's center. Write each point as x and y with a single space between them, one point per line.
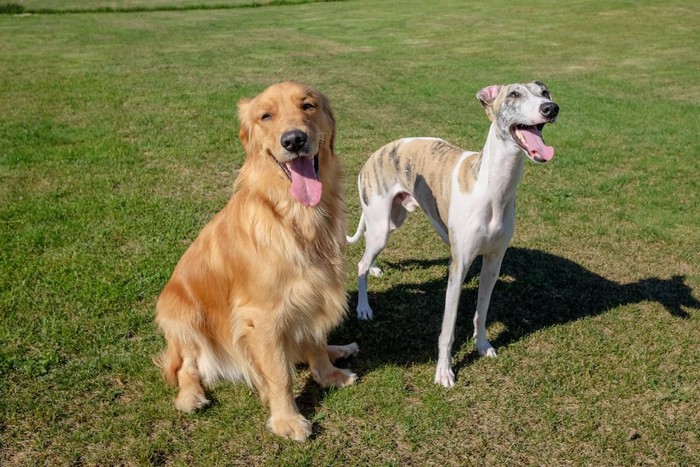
443 373
376 235
490 269
399 212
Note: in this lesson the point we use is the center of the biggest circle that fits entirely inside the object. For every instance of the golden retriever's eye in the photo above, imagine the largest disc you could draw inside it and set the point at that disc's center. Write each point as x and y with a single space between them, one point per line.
266 116
307 106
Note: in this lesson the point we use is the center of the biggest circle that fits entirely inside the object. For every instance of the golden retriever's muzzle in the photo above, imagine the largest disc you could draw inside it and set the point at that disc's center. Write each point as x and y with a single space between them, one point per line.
294 141
302 171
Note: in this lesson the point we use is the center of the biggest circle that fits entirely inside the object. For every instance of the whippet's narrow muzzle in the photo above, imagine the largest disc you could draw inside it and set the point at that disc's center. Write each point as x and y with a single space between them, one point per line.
529 137
549 110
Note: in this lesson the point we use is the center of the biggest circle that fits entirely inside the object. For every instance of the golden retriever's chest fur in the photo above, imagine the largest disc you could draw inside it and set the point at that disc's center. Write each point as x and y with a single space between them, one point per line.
299 260
291 266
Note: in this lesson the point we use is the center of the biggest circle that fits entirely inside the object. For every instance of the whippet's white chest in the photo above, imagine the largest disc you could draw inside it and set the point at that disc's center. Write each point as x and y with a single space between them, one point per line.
479 221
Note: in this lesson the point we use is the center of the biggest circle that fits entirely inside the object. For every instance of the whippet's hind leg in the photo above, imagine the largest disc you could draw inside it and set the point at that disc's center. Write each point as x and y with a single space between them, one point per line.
377 218
402 204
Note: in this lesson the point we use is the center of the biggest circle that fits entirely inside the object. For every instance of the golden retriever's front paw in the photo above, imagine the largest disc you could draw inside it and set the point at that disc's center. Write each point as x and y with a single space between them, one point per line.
190 401
297 428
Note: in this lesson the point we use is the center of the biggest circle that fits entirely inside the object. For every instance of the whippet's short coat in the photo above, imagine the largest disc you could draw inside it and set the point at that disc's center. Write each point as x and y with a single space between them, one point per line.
468 196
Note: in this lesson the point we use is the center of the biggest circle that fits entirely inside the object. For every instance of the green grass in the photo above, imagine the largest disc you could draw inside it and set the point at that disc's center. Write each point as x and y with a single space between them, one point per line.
117 144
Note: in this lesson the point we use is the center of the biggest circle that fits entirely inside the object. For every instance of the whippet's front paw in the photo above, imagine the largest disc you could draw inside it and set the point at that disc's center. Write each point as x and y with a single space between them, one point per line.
375 271
364 313
445 377
485 350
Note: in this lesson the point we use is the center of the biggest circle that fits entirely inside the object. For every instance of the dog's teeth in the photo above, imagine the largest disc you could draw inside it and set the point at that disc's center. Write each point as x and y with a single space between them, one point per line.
519 134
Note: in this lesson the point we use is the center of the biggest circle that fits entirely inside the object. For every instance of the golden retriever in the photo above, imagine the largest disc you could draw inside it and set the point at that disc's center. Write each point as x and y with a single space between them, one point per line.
264 282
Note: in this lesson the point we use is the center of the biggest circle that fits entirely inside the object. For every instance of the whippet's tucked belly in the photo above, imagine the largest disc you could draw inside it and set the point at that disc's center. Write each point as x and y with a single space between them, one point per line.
424 168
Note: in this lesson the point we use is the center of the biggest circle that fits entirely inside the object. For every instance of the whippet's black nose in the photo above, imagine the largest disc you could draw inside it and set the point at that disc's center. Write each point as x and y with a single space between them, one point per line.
549 110
294 140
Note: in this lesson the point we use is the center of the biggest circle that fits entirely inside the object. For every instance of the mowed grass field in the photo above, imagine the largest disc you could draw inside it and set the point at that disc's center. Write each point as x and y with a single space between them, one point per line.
118 144
80 6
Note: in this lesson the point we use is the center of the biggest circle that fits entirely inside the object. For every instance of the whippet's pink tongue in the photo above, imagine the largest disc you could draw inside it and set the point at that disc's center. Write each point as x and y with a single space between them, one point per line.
535 145
305 185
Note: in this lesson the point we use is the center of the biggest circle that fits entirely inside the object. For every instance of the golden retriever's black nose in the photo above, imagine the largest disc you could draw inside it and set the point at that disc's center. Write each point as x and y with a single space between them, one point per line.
294 140
549 110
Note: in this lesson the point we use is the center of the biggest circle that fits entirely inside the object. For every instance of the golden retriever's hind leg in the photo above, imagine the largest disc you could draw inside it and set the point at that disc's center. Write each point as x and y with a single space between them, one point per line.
323 371
191 396
336 352
169 362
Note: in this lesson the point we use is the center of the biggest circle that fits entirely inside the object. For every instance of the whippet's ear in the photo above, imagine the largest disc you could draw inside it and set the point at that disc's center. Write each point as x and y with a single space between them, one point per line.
486 96
245 124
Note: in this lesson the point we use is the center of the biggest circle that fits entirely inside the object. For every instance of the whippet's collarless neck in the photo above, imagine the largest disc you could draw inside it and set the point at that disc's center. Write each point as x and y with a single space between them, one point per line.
501 166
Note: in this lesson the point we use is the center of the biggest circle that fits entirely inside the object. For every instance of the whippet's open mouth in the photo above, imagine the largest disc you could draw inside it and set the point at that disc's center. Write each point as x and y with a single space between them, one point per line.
529 138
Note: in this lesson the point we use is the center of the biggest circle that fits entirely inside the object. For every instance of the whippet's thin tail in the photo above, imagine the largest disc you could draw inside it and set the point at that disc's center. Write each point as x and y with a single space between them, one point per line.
360 230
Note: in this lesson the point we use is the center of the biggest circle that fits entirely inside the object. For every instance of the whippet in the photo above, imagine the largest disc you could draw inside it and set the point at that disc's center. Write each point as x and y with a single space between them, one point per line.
468 196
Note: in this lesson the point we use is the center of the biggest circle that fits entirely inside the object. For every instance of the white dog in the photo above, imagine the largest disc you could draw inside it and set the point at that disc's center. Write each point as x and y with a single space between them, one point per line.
468 196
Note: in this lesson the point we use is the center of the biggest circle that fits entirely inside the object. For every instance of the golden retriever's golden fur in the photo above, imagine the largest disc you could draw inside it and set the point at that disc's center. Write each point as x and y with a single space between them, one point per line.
263 284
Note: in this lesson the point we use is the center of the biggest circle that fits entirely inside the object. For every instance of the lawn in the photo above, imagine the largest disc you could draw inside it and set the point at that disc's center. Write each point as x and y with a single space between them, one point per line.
83 6
118 143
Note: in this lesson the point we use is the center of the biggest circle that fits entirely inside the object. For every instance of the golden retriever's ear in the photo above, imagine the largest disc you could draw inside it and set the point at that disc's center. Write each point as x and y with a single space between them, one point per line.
244 120
328 111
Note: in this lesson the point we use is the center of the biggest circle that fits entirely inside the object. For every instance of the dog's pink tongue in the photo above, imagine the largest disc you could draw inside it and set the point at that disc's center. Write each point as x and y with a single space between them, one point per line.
305 185
535 145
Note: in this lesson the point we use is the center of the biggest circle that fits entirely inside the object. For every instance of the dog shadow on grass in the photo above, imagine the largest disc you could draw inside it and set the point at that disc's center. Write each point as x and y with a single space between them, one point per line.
536 290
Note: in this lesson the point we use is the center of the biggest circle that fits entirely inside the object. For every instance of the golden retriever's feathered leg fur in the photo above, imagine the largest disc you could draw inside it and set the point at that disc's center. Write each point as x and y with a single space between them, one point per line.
169 362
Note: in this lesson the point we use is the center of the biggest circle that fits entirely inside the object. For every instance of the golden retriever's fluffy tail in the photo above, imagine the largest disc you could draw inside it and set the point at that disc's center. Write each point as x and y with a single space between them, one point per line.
169 362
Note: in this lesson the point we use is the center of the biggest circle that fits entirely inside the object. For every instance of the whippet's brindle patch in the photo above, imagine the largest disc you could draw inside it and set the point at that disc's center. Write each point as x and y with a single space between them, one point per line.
469 198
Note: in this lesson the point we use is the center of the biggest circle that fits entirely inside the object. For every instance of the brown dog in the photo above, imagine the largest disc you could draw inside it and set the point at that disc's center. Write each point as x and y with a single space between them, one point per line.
263 284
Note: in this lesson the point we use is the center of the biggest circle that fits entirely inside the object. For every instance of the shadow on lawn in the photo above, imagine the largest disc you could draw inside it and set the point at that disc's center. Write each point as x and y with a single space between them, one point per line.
536 290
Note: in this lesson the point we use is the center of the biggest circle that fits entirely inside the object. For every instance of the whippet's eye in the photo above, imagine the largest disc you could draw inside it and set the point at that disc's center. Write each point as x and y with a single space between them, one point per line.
514 94
307 106
546 94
